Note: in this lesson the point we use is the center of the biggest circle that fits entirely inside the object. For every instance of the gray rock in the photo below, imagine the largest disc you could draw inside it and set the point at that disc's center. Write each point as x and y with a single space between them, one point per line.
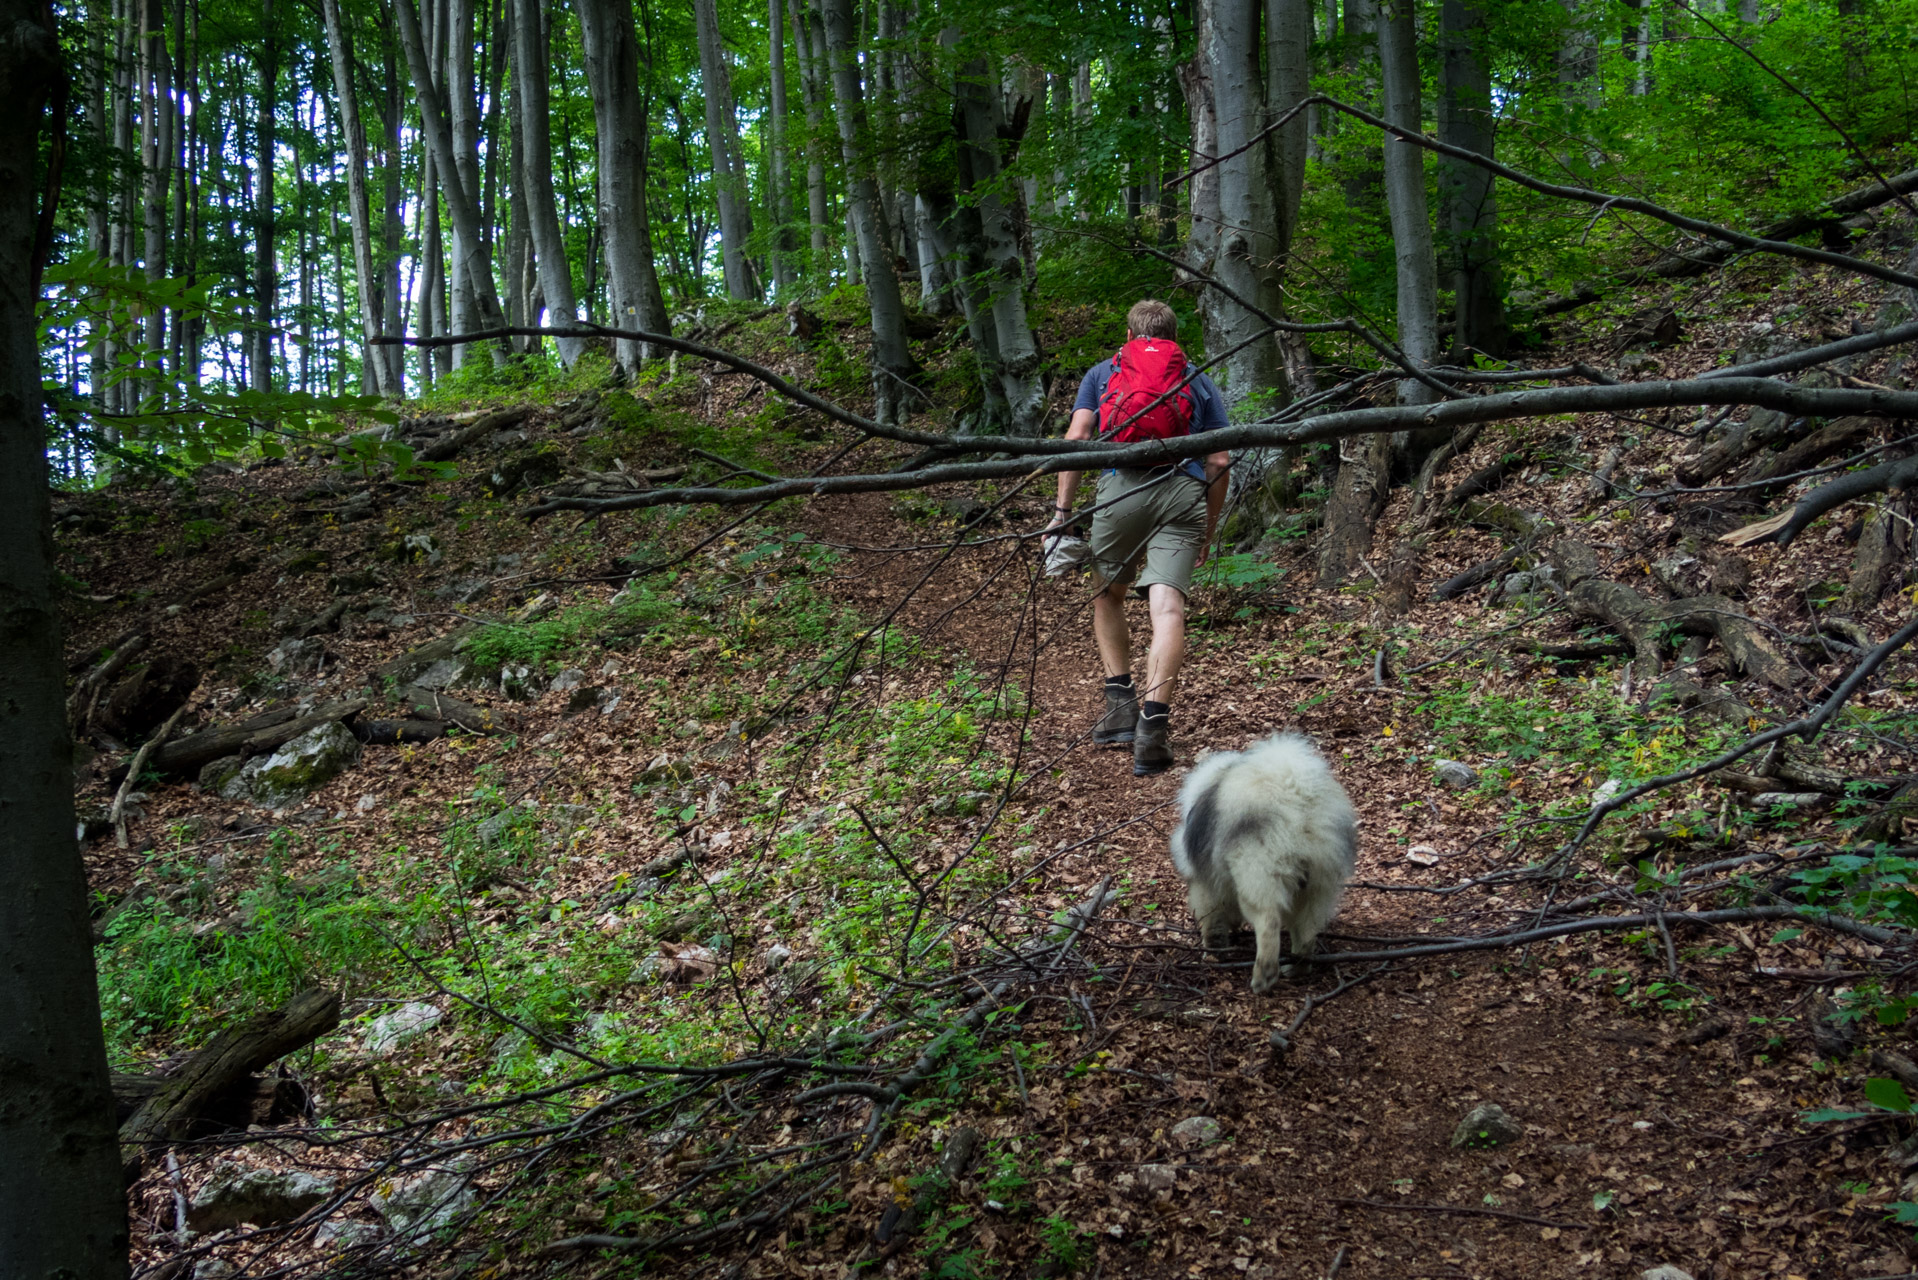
495 830
420 546
647 971
1455 774
1666 1272
297 769
691 729
511 1045
519 683
397 1026
1157 1177
297 657
1528 584
214 1269
443 674
1196 1131
777 955
1487 1125
571 678
259 1196
341 1236
1606 790
215 776
422 1203
585 698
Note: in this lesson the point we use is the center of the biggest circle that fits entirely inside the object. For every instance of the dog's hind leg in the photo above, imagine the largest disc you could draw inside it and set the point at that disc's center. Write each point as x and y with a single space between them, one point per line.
1266 902
1214 912
1314 905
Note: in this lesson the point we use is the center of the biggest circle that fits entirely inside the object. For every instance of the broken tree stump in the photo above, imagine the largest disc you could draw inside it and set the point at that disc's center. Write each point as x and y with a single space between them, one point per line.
168 1114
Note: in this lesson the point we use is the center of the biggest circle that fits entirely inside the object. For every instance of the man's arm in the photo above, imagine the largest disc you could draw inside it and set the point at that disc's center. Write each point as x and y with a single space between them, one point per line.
1085 422
1216 466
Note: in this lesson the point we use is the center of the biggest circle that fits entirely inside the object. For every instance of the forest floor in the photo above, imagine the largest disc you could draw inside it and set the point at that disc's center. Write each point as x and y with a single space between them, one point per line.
800 783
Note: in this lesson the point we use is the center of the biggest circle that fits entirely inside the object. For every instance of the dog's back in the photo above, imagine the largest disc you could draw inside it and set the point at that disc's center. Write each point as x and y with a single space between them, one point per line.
1268 837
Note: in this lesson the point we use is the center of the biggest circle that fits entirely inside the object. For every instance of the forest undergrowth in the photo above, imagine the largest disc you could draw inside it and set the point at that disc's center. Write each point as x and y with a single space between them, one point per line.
762 908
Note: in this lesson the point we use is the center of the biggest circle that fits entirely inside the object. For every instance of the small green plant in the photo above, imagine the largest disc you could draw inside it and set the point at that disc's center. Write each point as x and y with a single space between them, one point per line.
1067 1247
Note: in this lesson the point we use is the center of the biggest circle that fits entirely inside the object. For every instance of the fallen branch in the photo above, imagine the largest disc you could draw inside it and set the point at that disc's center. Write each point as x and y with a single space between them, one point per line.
1643 920
117 815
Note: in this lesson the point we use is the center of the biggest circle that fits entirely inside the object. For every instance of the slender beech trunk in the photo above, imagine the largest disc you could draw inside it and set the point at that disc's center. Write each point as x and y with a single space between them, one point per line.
894 369
359 214
812 90
1017 354
532 110
722 138
1467 197
462 114
619 115
178 155
392 110
157 160
468 242
60 1182
266 273
99 243
781 194
1405 196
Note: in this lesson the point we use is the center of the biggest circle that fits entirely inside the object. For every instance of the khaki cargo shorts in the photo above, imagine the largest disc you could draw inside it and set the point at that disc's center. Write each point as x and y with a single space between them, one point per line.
1155 522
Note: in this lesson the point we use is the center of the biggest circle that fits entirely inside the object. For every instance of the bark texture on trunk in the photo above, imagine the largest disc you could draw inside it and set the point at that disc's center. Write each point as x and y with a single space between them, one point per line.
780 197
156 144
811 89
1405 197
729 171
1016 354
532 107
894 371
619 118
1467 197
460 204
266 276
65 1209
359 212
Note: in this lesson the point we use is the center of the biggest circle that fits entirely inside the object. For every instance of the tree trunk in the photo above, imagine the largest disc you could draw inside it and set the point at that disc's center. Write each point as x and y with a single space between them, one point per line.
392 310
894 369
780 198
812 89
266 278
467 241
157 158
60 1182
1405 197
722 136
1016 354
619 115
1288 79
1467 197
455 84
532 108
358 211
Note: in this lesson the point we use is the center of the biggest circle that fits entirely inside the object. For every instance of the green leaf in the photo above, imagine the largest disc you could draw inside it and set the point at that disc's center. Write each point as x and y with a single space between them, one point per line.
1826 1115
1903 1212
1602 1200
1786 935
1888 1094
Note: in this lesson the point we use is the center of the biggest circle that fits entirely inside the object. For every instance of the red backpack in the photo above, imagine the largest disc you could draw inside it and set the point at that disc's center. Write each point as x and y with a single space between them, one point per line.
1147 369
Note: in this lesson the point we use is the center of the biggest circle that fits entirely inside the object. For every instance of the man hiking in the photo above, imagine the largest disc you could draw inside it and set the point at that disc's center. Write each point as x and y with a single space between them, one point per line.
1151 527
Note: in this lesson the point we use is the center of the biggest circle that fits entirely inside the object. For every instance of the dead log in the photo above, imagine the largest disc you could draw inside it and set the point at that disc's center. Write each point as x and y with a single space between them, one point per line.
1764 427
1640 620
86 692
394 733
1477 575
263 733
1839 436
453 443
431 704
1599 486
250 1100
1883 546
168 1115
1892 477
1589 651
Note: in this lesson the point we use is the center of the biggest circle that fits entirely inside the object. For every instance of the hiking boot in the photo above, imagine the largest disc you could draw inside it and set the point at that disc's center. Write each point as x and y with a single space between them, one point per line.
1115 727
1151 746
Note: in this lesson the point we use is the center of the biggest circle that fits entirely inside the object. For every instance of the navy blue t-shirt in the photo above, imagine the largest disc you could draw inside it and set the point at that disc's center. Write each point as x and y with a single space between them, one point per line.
1208 406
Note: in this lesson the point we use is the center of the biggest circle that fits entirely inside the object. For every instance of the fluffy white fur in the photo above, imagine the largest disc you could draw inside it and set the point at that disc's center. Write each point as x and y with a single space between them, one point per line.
1267 837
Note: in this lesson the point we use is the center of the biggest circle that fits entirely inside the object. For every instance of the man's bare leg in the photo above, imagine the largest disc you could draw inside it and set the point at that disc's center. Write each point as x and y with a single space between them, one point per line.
1166 603
1110 631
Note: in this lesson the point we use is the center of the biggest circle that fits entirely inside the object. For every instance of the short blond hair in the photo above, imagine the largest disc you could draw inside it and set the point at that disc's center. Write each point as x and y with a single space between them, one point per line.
1150 318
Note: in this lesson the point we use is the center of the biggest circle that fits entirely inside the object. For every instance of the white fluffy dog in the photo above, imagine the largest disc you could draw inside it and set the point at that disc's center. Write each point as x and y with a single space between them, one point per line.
1267 837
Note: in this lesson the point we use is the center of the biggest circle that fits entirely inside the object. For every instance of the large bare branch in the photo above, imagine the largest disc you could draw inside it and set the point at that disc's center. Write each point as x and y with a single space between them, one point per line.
1063 455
